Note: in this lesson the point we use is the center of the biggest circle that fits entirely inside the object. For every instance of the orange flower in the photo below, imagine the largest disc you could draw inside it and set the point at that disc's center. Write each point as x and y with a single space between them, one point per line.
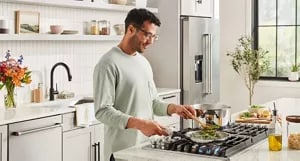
13 73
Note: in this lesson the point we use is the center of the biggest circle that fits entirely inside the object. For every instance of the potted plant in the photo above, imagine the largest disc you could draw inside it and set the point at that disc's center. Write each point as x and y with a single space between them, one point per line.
249 63
294 74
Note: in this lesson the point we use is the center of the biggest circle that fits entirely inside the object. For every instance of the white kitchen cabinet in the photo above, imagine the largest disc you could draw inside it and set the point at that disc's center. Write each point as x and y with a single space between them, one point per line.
169 121
98 131
82 144
77 145
3 147
203 8
36 140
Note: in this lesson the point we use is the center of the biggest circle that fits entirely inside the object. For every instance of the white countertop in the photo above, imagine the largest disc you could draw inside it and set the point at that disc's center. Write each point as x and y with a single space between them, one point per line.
37 110
28 113
257 152
49 108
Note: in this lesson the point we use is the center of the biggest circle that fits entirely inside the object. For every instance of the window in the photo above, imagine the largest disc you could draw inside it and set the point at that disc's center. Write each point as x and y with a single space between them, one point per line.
277 29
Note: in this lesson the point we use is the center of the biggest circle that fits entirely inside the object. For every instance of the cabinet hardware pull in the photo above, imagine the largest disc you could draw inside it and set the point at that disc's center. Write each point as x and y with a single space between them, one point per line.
167 97
98 151
199 1
19 133
95 151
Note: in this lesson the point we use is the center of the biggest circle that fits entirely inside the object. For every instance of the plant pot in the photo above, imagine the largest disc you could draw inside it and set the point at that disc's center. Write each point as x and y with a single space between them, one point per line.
294 76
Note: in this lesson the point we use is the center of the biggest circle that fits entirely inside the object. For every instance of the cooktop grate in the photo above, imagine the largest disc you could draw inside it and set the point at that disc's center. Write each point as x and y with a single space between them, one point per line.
241 137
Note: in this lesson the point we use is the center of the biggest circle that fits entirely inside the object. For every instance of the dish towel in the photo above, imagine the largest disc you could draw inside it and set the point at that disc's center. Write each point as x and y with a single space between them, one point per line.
85 114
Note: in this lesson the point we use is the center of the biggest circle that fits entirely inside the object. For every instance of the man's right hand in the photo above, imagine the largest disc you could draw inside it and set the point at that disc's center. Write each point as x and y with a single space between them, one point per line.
147 127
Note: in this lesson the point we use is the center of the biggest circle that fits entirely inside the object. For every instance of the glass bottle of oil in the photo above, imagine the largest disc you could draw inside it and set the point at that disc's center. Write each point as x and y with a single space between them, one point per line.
275 133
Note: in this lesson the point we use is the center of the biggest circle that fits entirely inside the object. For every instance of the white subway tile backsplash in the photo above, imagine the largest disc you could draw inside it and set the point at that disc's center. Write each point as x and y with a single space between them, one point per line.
81 56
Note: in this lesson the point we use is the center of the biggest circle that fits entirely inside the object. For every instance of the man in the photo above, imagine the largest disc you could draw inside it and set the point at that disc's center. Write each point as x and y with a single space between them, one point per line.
124 91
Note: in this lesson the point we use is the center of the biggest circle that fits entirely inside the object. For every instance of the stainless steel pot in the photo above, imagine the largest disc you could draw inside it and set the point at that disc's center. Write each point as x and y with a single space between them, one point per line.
218 114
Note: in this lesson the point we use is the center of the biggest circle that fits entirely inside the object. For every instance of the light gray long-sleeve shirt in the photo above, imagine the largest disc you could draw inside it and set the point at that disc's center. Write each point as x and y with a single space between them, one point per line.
124 87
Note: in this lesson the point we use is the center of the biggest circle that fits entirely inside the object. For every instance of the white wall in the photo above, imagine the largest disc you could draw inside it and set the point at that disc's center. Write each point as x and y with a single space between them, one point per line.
81 56
236 21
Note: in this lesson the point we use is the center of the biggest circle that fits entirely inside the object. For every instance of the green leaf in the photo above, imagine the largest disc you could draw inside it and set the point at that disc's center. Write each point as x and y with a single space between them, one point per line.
1 86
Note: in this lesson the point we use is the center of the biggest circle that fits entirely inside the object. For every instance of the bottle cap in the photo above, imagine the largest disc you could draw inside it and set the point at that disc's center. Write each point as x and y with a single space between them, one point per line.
274 112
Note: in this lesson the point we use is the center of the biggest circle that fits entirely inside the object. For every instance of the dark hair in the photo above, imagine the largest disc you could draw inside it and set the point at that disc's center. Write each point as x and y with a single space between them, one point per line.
137 17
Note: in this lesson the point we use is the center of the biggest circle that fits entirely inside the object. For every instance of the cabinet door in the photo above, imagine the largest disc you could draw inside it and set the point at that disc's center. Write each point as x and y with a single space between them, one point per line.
77 145
3 147
84 144
202 8
98 152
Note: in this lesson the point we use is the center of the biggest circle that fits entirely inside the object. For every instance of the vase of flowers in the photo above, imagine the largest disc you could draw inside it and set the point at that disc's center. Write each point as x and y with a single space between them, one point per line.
12 74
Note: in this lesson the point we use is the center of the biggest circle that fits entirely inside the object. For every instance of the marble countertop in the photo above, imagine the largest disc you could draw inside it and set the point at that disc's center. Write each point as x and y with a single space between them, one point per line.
257 152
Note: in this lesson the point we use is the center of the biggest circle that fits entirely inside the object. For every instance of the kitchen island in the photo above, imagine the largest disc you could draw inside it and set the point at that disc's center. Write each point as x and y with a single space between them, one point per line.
256 152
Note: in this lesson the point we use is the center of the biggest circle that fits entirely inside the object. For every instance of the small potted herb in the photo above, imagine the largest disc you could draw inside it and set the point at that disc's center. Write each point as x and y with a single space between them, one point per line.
294 74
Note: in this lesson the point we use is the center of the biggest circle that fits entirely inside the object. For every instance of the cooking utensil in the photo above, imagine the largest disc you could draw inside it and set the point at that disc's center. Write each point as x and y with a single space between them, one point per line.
203 125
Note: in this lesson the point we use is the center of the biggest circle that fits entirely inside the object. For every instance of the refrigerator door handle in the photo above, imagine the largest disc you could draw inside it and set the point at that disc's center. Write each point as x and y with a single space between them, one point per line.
208 63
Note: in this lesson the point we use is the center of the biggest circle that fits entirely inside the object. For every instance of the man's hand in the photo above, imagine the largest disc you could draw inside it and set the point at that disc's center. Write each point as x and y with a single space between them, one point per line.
181 110
147 127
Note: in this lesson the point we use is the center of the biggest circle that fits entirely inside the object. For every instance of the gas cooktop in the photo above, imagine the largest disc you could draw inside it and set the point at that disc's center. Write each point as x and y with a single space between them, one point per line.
241 136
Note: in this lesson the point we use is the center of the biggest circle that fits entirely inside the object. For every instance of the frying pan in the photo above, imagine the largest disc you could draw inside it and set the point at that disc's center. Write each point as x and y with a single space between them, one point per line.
194 136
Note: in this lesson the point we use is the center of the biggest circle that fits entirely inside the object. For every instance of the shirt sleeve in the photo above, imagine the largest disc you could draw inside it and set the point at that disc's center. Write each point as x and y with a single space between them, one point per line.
104 83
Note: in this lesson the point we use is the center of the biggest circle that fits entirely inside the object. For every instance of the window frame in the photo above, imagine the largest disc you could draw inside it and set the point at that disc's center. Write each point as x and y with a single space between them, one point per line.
255 34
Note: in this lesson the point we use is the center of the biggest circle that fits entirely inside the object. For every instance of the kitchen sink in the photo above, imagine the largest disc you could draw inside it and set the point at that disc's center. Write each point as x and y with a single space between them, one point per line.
61 102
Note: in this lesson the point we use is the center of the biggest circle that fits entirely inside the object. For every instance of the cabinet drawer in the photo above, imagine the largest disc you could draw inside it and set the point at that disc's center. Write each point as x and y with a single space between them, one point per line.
169 120
170 98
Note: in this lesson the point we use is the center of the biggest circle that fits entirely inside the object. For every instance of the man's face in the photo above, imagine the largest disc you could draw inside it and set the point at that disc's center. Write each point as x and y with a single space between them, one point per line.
144 36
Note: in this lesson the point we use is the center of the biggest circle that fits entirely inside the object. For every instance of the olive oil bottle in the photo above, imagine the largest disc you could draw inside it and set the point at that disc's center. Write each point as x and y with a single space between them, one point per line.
275 133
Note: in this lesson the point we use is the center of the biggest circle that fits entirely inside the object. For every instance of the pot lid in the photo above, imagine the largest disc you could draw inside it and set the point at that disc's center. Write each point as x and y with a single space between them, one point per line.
293 118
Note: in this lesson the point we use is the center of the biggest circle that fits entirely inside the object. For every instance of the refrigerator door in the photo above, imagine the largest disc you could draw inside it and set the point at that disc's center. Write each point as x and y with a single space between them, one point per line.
199 60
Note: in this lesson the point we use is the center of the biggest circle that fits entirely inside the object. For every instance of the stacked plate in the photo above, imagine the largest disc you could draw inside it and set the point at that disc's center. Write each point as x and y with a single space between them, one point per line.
69 32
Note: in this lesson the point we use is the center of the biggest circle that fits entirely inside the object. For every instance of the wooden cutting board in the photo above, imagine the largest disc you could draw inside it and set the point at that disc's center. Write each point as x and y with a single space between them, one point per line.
253 120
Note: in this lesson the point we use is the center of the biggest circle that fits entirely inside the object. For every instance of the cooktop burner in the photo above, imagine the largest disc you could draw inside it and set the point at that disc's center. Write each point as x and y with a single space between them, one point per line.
241 137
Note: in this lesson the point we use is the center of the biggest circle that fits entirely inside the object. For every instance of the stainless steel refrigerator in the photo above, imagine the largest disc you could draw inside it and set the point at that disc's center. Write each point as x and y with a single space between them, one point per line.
199 62
186 56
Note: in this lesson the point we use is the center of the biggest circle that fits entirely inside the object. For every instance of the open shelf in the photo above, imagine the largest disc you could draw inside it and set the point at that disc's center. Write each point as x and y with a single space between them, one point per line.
99 5
35 37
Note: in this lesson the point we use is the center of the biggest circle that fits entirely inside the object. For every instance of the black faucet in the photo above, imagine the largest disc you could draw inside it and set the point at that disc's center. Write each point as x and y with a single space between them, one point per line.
52 92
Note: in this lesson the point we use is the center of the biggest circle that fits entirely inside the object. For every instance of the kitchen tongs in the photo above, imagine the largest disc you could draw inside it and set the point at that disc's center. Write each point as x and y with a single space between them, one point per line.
203 125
